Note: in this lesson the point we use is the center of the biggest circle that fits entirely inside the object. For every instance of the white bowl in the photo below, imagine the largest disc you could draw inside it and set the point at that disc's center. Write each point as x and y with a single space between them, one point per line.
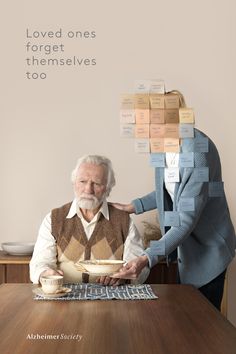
100 266
18 248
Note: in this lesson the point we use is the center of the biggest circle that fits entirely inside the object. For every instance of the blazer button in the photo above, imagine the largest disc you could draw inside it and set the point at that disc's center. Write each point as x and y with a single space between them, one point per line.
179 260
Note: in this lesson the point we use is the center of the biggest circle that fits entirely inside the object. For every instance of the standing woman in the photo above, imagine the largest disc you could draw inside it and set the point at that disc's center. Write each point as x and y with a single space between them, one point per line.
194 219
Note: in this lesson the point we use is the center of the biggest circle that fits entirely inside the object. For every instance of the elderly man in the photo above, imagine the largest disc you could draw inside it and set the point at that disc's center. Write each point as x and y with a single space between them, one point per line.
87 228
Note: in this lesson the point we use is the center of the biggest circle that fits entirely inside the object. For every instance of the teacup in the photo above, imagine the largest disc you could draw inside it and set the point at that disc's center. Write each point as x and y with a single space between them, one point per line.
51 283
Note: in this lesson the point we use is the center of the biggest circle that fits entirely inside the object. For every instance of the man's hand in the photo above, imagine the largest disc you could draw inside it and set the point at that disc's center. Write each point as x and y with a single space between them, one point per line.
110 281
51 272
126 207
132 269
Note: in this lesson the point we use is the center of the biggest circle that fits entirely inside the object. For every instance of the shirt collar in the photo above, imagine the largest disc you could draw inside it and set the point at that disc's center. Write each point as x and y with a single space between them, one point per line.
73 210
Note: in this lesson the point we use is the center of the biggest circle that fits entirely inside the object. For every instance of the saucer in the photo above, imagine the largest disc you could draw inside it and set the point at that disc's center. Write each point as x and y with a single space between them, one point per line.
39 292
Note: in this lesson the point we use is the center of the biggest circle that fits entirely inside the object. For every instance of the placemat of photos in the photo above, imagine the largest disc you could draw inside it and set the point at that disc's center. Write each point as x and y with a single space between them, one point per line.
101 292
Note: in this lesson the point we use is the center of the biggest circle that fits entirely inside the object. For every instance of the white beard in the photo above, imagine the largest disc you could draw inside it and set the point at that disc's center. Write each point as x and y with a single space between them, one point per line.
89 202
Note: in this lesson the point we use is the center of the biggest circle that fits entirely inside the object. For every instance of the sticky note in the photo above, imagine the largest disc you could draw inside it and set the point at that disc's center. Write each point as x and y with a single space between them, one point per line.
127 116
142 145
186 115
171 116
186 204
201 144
186 159
157 86
171 218
142 116
127 130
157 116
157 101
157 130
141 131
141 86
127 101
171 131
141 101
186 130
171 101
157 145
172 159
157 160
216 189
171 145
171 175
201 174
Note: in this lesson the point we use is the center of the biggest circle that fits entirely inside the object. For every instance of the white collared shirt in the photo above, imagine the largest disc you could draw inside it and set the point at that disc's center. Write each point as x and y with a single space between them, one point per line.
45 250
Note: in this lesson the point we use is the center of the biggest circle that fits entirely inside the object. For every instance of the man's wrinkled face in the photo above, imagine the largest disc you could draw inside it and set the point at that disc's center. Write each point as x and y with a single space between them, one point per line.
90 185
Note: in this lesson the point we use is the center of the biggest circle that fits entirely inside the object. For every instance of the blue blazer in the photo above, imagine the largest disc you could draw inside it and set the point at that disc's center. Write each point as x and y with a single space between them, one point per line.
205 237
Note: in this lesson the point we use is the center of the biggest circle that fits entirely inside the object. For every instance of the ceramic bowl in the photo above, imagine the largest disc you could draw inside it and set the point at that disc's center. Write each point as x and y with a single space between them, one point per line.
18 248
106 266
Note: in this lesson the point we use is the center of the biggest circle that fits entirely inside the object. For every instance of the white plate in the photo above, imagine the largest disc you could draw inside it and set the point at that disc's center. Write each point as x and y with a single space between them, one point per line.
39 291
18 248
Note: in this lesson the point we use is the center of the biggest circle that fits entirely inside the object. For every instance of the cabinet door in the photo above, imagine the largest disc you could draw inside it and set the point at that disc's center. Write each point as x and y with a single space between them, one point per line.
17 273
2 273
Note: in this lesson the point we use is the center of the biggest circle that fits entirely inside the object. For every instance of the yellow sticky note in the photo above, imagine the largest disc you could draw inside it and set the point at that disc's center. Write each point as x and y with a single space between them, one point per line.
171 116
142 116
157 116
157 101
186 115
157 130
171 131
157 145
142 131
171 101
127 101
171 145
141 101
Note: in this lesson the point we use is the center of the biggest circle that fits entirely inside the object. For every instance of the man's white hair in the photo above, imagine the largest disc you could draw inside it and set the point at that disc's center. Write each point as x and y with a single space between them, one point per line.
97 160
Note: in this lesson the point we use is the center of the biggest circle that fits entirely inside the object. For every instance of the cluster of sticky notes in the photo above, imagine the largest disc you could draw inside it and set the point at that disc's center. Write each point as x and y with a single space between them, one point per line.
154 118
159 124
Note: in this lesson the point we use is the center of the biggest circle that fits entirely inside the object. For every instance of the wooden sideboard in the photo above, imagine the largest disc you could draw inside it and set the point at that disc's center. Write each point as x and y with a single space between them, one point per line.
14 269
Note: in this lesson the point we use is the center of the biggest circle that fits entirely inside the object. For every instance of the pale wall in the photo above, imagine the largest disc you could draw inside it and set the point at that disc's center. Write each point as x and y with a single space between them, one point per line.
47 124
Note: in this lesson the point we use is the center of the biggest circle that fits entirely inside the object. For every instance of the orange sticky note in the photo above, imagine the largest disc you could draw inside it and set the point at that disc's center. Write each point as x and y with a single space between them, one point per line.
171 101
186 115
157 145
172 131
142 131
142 116
171 116
157 130
157 101
171 145
157 116
141 101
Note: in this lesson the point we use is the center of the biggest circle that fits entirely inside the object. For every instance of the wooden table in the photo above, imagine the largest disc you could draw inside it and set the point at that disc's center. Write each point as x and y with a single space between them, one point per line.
180 321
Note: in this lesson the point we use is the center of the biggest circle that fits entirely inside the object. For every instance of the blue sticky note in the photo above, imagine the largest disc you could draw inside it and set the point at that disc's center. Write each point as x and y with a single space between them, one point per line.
186 159
157 160
186 131
201 144
216 189
171 218
201 174
186 204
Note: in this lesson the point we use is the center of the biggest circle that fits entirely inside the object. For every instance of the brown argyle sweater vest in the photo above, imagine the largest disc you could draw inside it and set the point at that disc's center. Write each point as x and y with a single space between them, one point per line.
106 241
